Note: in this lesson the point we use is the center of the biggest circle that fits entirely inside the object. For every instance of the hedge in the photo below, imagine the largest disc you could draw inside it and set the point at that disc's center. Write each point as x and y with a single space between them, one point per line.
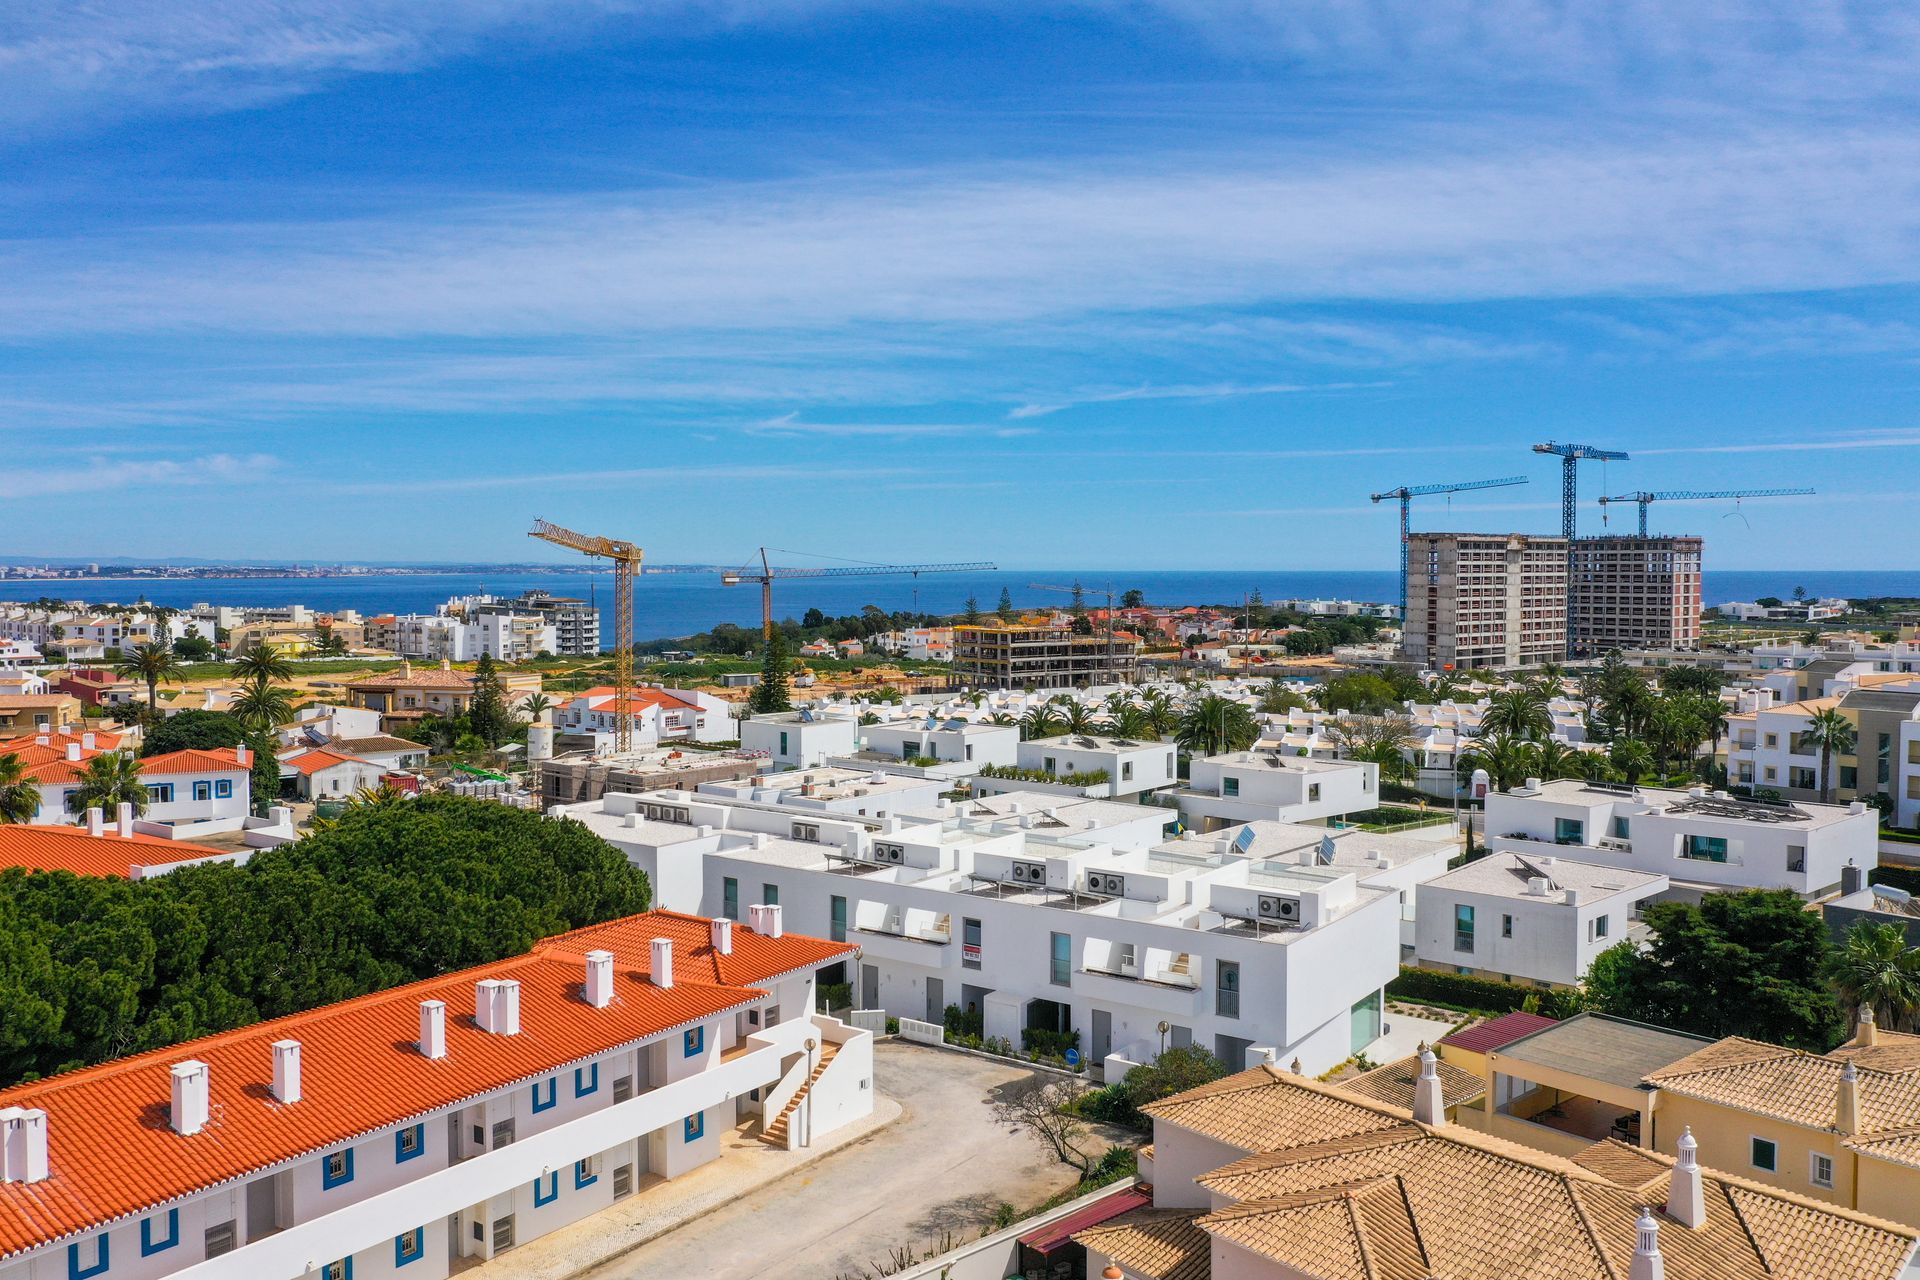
1907 878
1482 994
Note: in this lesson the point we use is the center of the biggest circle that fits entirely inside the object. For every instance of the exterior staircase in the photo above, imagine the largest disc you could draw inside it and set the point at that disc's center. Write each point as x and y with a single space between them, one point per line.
775 1134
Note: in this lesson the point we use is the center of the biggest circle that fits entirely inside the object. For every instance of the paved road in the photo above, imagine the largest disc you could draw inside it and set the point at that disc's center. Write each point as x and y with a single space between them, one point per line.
943 1166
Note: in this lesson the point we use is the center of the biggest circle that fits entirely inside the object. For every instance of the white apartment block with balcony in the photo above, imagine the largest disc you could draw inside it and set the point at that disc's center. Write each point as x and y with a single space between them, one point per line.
1535 917
431 635
511 637
950 741
1051 927
1131 767
420 1130
1699 840
800 739
1243 786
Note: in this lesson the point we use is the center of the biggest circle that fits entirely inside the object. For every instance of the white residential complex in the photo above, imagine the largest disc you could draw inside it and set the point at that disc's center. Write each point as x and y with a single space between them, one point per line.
1247 785
417 1130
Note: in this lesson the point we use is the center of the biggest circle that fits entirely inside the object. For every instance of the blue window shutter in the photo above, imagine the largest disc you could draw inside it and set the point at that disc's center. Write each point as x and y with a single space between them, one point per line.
150 1245
77 1271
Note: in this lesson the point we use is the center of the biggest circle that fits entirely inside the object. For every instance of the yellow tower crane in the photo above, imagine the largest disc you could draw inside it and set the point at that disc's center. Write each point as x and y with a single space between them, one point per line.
626 562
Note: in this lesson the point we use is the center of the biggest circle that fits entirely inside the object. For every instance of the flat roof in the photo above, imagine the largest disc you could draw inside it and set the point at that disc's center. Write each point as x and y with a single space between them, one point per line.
1506 875
1094 742
1273 840
1612 1050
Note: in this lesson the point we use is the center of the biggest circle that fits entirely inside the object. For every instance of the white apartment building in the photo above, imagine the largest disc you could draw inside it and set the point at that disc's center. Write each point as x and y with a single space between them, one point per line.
430 635
1243 786
950 741
200 790
1477 600
418 1130
1048 927
800 739
1535 917
656 714
1699 840
511 637
1787 610
1131 767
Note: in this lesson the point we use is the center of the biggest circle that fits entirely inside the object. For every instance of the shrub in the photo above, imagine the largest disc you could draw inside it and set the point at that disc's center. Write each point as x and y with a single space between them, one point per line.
962 1024
1049 1044
1483 995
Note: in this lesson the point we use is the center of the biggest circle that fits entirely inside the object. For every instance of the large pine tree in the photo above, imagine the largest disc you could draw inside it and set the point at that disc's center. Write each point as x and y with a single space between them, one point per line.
487 713
771 693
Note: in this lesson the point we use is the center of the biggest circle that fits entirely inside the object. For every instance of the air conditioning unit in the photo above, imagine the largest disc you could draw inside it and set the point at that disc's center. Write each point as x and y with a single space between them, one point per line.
1030 872
806 831
889 853
1273 907
1111 885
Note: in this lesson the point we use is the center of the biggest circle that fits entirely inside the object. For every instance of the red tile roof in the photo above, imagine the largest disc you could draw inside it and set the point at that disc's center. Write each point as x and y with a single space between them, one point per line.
58 742
1499 1033
194 761
308 763
641 697
36 848
111 1153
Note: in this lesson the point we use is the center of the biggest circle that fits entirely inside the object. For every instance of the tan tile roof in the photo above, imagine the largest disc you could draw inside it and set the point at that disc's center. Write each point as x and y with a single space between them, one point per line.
1394 1083
1164 1244
1902 1146
1799 1087
1244 1111
1480 1208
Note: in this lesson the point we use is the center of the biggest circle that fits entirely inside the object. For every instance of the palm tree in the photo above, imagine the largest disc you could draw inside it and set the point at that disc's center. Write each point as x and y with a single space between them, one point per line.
1547 679
261 706
535 705
1520 712
1509 761
1079 718
1632 757
1280 697
1162 716
1555 759
1875 968
1129 722
1447 685
1041 722
19 798
150 663
262 664
1214 725
1832 732
109 780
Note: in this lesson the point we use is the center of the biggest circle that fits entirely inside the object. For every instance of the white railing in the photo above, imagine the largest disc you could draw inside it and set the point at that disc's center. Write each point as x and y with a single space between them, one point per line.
922 1032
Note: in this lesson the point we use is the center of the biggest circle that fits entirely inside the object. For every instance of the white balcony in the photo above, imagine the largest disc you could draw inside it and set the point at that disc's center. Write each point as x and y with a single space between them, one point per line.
1162 993
928 949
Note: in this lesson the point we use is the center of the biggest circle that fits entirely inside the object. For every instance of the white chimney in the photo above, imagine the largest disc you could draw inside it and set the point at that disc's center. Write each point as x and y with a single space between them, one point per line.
190 1096
286 1070
1865 1033
496 1006
599 978
1429 1101
123 819
73 751
662 962
96 821
722 935
240 754
1647 1263
769 925
1847 1104
433 1029
1686 1196
87 741
23 1144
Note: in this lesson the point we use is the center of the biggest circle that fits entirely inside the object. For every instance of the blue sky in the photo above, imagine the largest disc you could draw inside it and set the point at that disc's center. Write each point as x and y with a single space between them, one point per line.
1153 284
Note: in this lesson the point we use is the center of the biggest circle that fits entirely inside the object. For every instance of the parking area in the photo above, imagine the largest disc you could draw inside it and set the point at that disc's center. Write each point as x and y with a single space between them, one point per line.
941 1168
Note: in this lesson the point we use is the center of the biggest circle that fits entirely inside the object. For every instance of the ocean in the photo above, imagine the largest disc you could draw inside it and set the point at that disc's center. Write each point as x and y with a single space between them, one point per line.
679 604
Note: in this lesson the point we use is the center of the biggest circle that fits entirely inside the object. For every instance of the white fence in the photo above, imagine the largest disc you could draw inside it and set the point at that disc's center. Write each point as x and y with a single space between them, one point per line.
922 1032
874 1020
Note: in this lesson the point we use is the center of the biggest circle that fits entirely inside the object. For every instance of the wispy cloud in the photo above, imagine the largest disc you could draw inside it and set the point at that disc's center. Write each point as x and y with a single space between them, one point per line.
100 475
664 474
1888 439
789 424
1213 391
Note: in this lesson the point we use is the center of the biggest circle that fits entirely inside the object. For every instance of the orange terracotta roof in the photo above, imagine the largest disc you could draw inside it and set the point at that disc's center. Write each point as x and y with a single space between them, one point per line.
194 761
310 762
37 848
102 741
111 1153
641 697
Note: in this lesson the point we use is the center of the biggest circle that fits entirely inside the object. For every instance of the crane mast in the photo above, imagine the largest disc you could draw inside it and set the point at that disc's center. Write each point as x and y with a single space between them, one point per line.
1407 493
626 558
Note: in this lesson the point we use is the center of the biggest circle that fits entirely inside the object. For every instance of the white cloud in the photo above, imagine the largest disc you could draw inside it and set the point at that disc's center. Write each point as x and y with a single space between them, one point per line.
1214 391
789 424
99 475
665 473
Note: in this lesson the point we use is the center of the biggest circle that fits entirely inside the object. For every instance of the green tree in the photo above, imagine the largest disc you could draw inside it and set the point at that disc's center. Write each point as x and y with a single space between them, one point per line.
771 693
1279 697
534 705
1874 967
1520 712
1832 733
1077 602
1044 721
261 705
1745 964
1135 599
194 647
1631 757
19 797
971 614
151 664
107 781
1005 607
263 664
1509 761
487 713
1213 725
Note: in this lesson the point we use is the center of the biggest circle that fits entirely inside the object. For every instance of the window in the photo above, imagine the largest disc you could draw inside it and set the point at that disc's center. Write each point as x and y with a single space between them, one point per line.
730 898
1883 760
969 943
1506 926
622 1181
1462 927
152 1241
220 1239
1126 771
223 789
1849 777
586 1080
837 918
1620 828
694 1042
1226 988
1599 928
586 1172
203 791
337 1169
160 792
546 1189
1060 960
1569 831
623 1088
1820 1170
1049 766
409 1142
409 1246
694 1127
1707 848
1313 792
1765 1155
552 1087
1229 786
1804 779
502 1233
1796 857
1773 740
770 894
341 1270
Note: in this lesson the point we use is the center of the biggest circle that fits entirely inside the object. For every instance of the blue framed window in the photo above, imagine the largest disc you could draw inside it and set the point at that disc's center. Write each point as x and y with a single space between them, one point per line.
203 791
341 1270
409 1142
694 1043
586 1080
546 1189
78 1270
151 1243
160 792
409 1246
694 1127
223 789
552 1085
336 1169
585 1174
